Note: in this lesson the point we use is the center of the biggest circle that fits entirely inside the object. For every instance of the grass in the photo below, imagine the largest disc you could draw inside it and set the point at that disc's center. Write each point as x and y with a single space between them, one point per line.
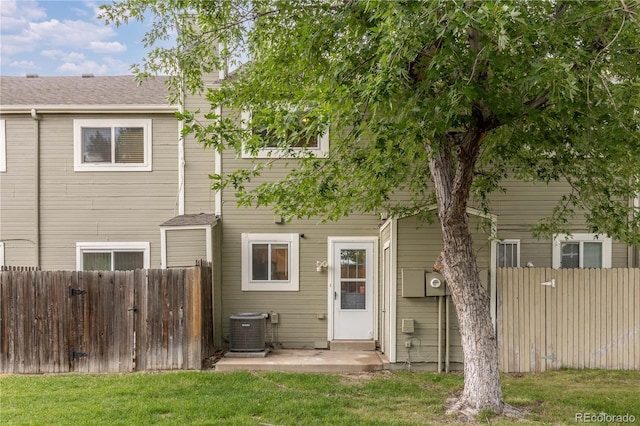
245 398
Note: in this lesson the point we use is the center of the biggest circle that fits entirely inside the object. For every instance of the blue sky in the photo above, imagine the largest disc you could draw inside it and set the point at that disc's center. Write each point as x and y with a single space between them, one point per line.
64 37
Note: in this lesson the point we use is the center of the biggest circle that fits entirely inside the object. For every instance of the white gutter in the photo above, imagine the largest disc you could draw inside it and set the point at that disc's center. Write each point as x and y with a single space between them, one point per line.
79 109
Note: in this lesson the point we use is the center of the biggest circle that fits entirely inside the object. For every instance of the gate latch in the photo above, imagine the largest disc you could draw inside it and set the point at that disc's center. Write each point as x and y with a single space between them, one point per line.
73 355
76 292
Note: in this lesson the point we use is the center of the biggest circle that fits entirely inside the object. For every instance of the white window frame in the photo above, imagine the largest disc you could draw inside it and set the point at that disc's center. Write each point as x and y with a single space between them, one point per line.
1 254
101 247
79 166
582 238
515 242
3 147
293 283
321 151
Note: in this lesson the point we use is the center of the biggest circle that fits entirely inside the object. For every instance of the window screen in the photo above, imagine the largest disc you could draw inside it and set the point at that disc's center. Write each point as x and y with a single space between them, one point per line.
508 255
113 261
269 262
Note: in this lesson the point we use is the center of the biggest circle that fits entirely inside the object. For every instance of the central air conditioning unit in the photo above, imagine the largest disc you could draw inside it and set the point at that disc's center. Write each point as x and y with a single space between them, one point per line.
246 333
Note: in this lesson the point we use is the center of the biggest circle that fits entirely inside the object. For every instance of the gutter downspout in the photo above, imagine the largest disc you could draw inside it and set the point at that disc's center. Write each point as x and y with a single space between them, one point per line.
633 252
447 336
217 156
217 169
181 159
440 333
36 218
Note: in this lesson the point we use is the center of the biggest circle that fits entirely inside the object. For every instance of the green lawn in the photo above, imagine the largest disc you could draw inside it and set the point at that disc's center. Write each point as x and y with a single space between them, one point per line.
245 398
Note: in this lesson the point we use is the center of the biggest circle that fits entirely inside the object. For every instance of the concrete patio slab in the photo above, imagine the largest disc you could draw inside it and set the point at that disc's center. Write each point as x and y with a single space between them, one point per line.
308 361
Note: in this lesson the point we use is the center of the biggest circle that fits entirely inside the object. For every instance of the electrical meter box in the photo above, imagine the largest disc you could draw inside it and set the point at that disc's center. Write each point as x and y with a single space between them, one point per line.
413 282
435 285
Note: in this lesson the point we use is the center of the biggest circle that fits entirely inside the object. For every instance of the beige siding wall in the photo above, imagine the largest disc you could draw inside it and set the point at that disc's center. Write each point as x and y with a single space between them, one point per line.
17 192
103 206
199 162
418 247
525 204
303 314
185 246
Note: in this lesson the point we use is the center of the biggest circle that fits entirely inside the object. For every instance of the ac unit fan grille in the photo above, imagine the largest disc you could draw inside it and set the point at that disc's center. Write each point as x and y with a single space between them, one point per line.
246 333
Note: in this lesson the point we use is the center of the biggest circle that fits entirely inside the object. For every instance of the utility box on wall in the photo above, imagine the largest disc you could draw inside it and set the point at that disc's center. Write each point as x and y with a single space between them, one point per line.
413 282
435 285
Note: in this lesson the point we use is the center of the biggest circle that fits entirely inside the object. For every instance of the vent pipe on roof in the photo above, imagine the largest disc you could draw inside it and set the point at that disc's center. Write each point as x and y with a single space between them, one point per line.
87 75
32 76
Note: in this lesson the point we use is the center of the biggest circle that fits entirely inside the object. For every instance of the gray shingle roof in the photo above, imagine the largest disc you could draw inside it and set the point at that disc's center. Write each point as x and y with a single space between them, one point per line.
192 219
101 90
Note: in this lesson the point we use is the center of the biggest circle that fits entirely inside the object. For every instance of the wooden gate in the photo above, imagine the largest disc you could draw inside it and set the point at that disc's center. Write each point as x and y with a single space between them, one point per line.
577 318
105 321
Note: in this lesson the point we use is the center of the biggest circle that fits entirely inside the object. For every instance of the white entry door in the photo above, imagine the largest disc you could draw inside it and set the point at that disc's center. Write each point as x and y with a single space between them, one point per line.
353 278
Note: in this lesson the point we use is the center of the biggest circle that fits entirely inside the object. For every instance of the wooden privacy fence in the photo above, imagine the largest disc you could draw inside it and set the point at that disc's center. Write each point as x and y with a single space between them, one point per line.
578 318
63 321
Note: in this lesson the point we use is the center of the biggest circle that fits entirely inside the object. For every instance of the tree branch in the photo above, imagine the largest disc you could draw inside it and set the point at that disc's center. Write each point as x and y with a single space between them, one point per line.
539 102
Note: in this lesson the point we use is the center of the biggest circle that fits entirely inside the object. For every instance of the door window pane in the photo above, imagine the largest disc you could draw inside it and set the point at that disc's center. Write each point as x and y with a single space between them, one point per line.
592 257
353 279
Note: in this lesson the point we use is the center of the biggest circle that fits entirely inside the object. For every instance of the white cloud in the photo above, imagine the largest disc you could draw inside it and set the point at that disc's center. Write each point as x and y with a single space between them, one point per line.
52 53
73 57
16 14
67 33
107 47
63 37
117 66
87 67
23 64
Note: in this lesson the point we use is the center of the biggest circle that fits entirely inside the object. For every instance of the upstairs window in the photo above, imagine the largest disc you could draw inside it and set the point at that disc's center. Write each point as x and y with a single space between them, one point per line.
293 131
509 254
112 145
582 251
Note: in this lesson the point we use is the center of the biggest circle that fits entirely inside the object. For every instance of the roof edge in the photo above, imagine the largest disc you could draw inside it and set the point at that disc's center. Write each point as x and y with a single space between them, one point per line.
76 108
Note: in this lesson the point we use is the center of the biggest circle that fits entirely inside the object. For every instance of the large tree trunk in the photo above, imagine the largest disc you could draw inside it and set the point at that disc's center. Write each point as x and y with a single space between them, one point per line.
452 178
482 389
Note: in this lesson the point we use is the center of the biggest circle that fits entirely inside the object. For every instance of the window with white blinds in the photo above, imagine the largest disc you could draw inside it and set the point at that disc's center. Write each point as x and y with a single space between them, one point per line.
116 145
112 256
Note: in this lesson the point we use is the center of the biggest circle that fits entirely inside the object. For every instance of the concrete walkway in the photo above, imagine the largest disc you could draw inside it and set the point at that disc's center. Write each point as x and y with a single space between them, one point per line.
308 361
